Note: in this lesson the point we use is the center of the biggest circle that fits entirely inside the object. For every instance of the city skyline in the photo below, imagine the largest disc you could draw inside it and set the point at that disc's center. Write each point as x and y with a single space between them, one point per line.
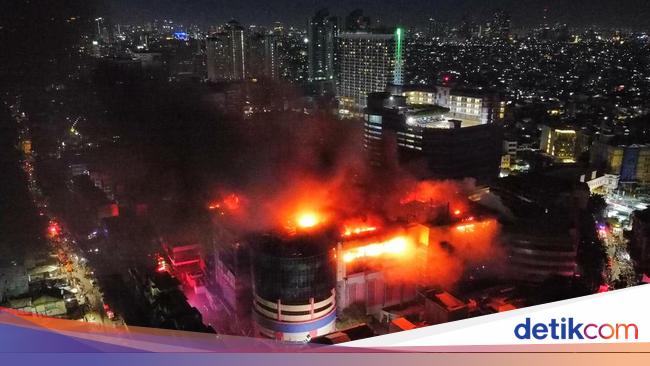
526 14
362 169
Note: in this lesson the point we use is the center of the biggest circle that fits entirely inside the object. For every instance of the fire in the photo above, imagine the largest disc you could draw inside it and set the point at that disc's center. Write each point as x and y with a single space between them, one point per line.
230 202
308 220
359 225
466 228
473 226
396 246
349 231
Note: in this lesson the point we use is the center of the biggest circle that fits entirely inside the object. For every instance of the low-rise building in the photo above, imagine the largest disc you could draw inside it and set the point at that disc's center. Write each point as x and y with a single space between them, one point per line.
442 307
631 162
13 281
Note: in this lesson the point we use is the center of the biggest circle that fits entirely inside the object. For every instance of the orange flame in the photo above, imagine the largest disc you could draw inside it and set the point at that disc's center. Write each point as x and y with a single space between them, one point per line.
349 231
396 246
466 228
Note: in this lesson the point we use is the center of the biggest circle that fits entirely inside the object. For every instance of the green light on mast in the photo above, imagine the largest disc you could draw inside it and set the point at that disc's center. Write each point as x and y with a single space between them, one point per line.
397 73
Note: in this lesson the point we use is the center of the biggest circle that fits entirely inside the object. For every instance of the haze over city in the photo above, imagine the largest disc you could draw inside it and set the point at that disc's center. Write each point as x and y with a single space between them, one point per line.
315 172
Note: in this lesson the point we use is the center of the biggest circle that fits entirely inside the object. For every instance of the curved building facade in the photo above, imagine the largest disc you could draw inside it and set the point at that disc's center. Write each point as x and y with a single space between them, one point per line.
293 287
534 258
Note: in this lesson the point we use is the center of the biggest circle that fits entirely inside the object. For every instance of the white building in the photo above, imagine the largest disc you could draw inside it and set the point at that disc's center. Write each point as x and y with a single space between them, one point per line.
469 106
369 62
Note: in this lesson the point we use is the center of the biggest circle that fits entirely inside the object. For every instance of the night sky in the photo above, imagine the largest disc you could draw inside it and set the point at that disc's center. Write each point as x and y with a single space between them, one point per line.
525 13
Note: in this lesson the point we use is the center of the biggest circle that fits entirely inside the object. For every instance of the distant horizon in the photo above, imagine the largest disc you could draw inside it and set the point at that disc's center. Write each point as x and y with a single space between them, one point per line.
525 14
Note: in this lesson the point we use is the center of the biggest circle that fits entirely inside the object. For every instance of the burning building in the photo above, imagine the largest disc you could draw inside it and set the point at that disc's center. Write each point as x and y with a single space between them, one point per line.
311 256
361 262
388 267
293 286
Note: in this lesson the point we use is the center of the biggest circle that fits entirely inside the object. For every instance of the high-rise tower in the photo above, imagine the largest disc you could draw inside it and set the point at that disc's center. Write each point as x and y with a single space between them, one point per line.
323 30
226 54
369 62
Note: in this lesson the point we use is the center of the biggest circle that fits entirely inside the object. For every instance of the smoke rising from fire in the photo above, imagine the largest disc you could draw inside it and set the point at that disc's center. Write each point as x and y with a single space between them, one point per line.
314 175
449 251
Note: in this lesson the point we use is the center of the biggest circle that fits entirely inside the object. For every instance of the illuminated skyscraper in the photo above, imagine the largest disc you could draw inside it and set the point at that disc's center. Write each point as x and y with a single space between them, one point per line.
369 62
271 57
226 53
323 30
263 58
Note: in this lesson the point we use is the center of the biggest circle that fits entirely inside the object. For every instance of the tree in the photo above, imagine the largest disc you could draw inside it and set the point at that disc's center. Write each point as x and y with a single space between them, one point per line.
597 206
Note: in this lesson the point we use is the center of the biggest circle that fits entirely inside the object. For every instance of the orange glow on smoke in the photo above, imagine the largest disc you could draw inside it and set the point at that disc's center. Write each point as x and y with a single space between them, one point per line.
306 220
436 193
230 202
396 246
438 255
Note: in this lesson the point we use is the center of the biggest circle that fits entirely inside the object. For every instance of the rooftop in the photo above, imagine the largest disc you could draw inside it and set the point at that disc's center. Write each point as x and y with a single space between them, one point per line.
445 299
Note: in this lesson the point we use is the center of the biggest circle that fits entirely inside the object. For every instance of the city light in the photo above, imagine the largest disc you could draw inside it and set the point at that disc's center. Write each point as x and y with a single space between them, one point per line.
53 229
267 175
161 264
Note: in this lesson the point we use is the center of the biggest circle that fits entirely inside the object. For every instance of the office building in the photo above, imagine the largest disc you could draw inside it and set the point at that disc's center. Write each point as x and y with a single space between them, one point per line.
428 142
293 287
226 54
263 57
559 143
323 30
629 161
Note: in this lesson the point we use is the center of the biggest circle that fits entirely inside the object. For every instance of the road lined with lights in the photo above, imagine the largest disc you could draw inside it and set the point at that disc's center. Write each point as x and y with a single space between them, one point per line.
77 273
